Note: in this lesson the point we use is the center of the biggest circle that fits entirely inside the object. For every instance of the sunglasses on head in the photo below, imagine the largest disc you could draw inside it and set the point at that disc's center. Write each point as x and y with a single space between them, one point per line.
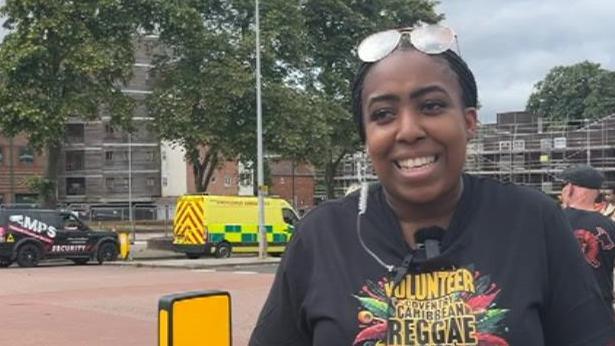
427 38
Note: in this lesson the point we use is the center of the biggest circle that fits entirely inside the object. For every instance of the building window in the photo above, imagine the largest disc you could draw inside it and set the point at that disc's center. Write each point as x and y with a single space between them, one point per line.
75 186
504 145
74 160
26 155
26 198
228 180
1 155
518 145
282 181
108 156
245 178
213 179
109 183
150 182
75 133
109 130
559 142
545 144
164 181
149 155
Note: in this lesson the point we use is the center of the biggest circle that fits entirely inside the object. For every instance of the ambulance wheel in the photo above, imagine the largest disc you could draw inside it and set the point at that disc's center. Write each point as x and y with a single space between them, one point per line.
223 250
28 255
107 252
5 262
193 255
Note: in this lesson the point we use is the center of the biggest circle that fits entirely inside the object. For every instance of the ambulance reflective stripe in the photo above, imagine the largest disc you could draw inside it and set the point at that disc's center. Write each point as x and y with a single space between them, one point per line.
246 234
189 223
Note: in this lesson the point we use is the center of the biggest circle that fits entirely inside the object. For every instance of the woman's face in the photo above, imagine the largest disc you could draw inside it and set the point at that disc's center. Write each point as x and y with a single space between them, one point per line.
416 126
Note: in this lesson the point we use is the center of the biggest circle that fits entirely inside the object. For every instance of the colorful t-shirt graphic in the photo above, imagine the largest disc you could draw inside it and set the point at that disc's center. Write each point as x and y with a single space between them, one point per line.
445 308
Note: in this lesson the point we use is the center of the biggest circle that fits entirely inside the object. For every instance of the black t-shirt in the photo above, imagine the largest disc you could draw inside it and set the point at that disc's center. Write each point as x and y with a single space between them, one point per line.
514 275
596 232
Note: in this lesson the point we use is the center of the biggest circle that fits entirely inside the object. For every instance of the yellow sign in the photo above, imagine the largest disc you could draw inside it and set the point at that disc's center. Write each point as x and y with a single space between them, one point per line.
195 318
544 158
10 239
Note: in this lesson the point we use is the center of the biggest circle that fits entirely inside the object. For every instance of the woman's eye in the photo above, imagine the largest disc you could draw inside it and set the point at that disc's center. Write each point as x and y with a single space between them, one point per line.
432 107
382 114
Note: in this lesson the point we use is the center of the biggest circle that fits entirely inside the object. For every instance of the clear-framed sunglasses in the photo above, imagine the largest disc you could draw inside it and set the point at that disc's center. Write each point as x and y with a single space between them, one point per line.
427 38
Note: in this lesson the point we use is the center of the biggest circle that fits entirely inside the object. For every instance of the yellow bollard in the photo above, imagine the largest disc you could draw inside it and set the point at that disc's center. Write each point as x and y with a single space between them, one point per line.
124 239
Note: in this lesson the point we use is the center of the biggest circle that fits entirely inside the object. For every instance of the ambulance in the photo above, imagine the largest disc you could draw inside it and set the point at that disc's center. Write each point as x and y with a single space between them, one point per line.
221 225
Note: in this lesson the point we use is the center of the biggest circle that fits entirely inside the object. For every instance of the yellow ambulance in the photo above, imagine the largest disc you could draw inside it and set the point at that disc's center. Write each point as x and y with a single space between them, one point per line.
219 225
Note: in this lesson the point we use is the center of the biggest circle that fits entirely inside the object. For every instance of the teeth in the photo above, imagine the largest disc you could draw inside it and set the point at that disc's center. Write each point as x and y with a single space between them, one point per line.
416 162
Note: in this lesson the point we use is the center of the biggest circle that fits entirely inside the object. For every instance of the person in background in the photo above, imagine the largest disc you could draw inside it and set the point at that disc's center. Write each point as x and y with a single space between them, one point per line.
600 202
429 255
609 204
594 231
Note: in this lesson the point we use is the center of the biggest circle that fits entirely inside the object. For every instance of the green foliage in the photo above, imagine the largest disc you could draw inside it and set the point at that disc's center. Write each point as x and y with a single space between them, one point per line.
45 188
205 95
64 59
581 91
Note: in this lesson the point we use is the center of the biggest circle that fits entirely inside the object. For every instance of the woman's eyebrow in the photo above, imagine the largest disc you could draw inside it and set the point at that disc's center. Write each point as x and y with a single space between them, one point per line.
426 90
381 98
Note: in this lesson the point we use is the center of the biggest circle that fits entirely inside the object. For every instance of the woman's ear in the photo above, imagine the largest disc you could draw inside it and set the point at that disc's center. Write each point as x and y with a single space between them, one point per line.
470 115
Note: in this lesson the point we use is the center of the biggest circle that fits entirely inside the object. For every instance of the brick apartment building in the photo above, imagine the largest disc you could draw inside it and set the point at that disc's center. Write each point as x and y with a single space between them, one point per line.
17 163
292 182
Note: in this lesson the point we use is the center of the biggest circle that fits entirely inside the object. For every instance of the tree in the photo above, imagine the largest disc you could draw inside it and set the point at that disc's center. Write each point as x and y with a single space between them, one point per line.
205 96
580 91
66 59
334 28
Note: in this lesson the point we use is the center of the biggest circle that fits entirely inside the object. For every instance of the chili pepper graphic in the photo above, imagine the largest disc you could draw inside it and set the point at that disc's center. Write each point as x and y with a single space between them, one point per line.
375 332
589 245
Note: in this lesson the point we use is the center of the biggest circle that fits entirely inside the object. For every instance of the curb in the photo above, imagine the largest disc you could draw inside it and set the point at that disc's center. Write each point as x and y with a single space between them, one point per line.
193 264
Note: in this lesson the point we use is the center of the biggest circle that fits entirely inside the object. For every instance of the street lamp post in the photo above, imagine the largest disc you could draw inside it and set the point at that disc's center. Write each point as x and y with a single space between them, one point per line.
262 243
130 216
587 143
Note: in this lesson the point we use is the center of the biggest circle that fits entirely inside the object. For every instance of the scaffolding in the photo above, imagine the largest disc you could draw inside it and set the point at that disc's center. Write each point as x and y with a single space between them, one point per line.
521 148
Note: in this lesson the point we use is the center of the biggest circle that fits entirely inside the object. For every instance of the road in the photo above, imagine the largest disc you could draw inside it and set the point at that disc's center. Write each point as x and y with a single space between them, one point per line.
59 304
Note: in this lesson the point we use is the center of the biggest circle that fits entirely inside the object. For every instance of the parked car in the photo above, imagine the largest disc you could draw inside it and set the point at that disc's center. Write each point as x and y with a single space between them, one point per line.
30 235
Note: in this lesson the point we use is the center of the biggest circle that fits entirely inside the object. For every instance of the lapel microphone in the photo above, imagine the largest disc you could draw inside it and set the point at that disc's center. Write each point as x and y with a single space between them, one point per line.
429 239
428 247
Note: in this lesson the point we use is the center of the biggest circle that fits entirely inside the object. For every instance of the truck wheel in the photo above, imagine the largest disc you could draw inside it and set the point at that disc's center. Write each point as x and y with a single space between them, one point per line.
223 250
28 255
193 255
5 262
107 252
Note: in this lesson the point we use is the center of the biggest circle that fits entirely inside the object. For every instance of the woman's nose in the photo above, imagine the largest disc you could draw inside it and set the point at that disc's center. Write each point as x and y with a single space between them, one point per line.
410 127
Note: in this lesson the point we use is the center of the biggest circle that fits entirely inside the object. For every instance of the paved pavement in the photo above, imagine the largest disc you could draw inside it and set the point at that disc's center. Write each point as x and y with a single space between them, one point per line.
144 254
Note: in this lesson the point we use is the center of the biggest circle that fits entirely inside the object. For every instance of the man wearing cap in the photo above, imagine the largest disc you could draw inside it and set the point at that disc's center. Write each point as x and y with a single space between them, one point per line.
594 231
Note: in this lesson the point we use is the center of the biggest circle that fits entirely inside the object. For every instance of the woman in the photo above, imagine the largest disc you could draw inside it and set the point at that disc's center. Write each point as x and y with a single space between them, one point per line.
431 256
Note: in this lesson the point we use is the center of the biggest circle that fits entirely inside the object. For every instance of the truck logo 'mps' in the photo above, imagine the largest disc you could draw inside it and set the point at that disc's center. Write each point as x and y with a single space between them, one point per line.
34 225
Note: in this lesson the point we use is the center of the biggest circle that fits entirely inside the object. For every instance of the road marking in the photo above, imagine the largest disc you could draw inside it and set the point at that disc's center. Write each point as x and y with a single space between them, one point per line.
244 273
204 270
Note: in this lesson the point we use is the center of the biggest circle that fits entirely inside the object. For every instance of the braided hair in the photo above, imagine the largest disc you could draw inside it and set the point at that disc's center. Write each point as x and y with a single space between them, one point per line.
469 93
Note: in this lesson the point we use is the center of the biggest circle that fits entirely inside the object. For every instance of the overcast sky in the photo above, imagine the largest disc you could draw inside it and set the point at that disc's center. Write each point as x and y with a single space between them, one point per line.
512 44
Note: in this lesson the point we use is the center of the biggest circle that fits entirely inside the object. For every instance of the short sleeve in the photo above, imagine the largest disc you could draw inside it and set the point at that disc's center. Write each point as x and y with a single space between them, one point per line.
575 313
279 322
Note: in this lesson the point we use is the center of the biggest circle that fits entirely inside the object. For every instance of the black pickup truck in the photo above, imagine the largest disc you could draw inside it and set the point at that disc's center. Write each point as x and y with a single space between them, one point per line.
29 235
